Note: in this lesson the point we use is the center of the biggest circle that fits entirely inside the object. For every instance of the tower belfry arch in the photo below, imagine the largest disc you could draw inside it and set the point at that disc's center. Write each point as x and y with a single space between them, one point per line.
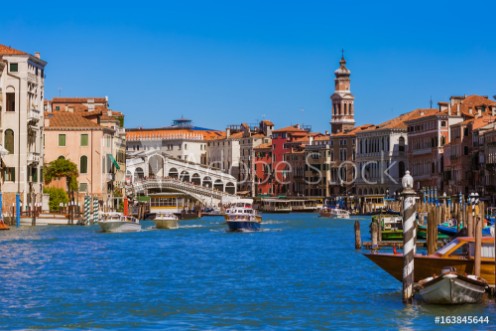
343 108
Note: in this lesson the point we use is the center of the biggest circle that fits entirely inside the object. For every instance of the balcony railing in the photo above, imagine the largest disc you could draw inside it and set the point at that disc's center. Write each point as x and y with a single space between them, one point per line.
34 115
33 158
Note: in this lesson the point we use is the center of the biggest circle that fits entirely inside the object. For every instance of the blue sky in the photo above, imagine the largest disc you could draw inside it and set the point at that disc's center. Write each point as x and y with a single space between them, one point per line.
227 62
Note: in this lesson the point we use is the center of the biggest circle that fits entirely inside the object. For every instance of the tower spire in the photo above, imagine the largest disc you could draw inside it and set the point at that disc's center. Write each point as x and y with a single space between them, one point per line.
343 112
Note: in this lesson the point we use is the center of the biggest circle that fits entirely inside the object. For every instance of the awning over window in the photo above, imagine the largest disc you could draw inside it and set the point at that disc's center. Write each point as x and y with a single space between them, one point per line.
111 157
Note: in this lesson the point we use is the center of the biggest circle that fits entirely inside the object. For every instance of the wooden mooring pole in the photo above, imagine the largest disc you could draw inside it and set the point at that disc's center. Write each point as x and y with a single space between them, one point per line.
358 238
478 237
409 236
375 233
431 231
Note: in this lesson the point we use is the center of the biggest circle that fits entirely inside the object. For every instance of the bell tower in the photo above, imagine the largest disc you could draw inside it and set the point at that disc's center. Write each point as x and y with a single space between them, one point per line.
343 109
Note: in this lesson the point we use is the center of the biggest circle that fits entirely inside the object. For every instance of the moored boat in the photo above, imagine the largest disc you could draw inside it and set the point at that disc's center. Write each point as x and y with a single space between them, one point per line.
241 217
165 220
451 288
275 206
117 222
334 213
391 226
458 253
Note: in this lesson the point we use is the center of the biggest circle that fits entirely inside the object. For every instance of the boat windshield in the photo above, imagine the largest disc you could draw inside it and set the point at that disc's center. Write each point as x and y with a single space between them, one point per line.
443 250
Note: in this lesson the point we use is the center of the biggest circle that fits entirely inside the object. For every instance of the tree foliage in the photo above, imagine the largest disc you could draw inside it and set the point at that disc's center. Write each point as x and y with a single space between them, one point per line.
61 168
57 196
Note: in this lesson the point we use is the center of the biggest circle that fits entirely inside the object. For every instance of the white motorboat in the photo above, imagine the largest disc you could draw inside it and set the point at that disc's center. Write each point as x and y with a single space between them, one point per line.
241 217
334 213
451 288
117 222
164 220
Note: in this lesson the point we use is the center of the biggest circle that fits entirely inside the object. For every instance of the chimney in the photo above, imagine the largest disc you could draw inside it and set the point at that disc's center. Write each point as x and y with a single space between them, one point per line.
228 132
470 111
458 112
449 109
37 55
310 140
326 132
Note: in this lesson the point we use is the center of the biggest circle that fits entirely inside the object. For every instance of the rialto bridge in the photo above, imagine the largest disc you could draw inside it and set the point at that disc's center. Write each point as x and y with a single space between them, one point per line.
154 171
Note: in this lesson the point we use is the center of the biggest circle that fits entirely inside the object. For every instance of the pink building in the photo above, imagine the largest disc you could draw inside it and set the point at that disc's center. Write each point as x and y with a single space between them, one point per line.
81 138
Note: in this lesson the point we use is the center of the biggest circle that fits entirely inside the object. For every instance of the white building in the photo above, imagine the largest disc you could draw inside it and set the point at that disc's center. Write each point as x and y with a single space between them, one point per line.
225 153
381 156
181 141
21 123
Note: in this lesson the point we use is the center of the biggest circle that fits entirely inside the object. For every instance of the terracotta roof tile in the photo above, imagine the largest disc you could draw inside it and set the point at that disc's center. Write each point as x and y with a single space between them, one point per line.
268 123
473 101
291 128
6 50
65 120
264 146
133 134
399 122
354 131
79 100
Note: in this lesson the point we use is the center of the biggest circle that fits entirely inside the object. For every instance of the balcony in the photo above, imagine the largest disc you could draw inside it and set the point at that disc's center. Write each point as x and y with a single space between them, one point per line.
33 158
34 116
422 151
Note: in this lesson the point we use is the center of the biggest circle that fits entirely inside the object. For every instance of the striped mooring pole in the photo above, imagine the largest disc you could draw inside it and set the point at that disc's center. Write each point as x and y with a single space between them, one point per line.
409 236
95 210
87 209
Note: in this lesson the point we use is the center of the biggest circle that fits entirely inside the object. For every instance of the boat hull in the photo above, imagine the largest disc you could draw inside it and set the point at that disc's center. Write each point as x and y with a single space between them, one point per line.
426 266
452 289
243 226
119 226
166 224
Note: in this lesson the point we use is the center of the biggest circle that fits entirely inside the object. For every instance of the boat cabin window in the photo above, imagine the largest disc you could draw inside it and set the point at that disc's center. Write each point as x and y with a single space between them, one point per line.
487 250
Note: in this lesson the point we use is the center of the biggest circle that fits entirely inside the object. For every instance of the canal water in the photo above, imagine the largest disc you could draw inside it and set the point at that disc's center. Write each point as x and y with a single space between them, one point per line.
300 273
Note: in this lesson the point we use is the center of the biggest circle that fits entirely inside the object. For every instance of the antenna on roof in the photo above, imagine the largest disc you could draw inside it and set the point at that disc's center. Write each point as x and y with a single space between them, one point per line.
60 91
430 102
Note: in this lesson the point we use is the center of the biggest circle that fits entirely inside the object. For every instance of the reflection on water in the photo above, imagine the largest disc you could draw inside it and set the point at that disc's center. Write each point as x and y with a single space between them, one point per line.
300 272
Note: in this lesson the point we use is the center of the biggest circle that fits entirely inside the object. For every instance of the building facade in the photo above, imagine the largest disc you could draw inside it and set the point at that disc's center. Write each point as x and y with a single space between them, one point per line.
22 83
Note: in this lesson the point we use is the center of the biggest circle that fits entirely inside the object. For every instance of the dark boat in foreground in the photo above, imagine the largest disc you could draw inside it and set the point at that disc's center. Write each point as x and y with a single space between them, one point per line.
458 253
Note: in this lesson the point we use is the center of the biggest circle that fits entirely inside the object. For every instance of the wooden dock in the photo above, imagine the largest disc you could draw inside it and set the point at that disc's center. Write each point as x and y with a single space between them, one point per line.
397 244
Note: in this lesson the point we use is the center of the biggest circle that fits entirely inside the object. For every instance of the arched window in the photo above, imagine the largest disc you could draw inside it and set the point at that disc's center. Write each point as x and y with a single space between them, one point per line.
83 164
9 141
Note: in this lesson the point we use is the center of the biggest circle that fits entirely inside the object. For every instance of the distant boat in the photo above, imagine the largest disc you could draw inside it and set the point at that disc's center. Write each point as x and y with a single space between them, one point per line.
451 288
391 226
458 253
303 205
334 213
241 217
275 205
165 220
117 222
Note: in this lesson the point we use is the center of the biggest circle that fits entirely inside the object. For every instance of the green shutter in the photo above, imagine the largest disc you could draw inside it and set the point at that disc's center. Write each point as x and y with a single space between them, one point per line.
61 139
84 139
111 157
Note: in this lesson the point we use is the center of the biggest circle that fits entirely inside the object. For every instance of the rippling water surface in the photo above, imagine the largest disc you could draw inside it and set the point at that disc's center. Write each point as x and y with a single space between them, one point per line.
299 273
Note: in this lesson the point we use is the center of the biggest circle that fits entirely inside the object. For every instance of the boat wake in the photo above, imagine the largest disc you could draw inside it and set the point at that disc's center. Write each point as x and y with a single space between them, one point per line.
191 226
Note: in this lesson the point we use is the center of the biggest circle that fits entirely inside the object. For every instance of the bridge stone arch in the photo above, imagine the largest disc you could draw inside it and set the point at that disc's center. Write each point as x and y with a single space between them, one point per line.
195 179
139 173
207 181
173 173
230 188
219 185
185 177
